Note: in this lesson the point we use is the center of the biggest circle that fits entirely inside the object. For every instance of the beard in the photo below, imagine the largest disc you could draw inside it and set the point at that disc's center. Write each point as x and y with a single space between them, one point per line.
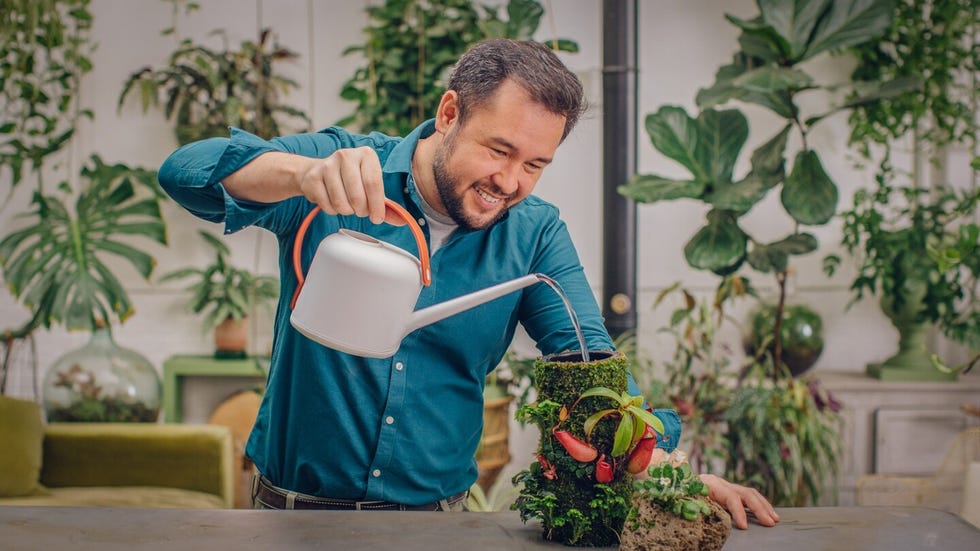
450 193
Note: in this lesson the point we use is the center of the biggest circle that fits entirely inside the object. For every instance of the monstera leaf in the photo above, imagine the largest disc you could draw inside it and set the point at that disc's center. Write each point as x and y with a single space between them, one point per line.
57 265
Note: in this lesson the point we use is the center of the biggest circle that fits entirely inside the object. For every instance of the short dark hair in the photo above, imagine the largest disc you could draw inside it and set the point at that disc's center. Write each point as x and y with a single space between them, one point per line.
531 65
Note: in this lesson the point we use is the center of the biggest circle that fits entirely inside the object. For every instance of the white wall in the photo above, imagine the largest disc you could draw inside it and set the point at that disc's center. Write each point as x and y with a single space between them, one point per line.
681 46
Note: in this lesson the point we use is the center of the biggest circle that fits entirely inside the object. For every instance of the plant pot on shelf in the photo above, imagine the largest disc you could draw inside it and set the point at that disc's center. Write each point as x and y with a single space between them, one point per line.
231 339
102 382
912 362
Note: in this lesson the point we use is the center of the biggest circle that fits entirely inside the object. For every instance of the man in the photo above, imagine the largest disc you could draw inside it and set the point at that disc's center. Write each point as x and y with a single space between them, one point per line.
339 431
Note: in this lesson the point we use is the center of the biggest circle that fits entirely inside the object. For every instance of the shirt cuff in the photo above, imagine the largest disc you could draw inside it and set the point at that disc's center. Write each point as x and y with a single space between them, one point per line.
672 429
242 148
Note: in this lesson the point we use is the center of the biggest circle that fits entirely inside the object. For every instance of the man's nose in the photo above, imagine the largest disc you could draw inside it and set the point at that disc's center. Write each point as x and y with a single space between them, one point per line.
508 179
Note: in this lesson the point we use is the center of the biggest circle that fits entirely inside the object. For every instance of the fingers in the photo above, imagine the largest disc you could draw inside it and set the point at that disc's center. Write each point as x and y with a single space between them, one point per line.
347 182
738 499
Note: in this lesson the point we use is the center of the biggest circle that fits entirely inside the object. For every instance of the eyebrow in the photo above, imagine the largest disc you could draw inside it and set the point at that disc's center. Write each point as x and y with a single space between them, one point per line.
507 144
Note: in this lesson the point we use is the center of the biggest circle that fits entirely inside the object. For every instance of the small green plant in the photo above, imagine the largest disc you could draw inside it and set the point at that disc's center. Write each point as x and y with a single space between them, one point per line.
674 488
221 290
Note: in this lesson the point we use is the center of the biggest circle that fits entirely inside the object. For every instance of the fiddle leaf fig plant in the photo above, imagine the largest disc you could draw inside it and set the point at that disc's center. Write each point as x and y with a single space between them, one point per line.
767 71
58 265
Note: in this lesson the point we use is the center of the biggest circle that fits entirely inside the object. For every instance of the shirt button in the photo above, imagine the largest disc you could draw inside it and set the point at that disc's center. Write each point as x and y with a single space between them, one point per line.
421 221
376 473
399 366
405 189
389 419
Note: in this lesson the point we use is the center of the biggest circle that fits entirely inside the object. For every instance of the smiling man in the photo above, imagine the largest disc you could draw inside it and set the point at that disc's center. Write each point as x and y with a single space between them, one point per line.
337 431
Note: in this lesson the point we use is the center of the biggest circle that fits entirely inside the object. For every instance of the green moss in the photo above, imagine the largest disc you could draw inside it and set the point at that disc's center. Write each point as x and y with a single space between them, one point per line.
562 492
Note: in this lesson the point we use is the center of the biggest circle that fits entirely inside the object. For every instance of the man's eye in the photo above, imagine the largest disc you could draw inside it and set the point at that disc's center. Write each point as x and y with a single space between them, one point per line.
498 152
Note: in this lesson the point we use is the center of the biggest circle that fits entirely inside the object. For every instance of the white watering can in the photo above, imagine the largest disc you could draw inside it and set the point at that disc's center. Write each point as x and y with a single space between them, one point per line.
359 294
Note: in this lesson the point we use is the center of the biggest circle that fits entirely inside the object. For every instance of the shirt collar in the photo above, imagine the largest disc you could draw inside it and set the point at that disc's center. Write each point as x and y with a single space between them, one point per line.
400 159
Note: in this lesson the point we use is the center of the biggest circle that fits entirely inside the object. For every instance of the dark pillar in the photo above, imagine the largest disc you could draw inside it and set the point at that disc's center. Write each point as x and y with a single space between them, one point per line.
619 121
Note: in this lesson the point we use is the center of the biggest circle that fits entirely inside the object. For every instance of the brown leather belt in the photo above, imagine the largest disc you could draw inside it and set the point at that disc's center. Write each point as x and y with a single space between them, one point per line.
276 498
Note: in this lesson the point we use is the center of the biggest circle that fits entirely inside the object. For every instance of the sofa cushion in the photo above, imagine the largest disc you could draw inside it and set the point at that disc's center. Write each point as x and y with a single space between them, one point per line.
21 438
120 496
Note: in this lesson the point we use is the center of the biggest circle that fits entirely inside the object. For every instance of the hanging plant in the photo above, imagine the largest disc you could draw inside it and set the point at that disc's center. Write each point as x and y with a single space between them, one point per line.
44 51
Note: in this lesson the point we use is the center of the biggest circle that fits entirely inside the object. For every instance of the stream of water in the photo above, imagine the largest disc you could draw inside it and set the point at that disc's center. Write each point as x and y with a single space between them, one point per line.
571 313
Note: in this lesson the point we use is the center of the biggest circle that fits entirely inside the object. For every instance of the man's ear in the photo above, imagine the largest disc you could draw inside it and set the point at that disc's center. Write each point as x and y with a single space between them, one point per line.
448 113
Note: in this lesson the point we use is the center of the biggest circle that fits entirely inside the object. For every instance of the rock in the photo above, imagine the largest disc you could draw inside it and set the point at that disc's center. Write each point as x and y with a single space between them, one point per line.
654 529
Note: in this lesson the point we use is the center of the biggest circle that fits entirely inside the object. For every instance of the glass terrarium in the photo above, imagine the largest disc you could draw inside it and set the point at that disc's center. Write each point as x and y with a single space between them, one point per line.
102 382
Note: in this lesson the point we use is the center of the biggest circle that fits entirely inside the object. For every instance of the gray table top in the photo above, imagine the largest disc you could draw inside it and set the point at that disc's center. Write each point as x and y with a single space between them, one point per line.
801 529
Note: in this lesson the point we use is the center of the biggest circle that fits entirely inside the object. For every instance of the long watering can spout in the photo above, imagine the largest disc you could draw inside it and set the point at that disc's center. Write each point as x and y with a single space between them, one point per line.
436 312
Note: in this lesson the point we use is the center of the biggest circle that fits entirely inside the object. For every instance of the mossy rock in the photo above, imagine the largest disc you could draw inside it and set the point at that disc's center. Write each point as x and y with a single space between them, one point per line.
654 529
562 492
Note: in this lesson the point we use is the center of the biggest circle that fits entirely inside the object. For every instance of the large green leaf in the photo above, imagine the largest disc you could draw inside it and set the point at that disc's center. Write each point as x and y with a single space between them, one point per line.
740 196
722 135
767 159
870 92
675 134
729 86
774 257
650 188
55 265
809 195
850 22
719 246
793 20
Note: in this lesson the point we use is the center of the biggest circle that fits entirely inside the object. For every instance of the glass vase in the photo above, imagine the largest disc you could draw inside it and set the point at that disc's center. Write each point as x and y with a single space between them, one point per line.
102 382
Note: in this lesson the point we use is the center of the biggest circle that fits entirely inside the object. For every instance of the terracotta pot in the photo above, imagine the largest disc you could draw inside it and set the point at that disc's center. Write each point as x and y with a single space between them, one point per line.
231 338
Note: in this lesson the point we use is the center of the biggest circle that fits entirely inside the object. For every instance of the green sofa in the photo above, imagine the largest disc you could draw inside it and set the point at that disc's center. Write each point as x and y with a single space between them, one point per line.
132 465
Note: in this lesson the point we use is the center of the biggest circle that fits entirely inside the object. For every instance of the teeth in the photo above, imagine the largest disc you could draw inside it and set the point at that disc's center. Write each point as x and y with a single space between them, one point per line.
486 197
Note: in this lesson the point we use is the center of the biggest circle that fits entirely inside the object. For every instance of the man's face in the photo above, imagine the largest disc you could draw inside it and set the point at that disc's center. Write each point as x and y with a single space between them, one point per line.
493 161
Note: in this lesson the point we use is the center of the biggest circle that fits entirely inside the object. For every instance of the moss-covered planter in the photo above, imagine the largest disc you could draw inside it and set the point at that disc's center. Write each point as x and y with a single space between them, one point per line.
559 490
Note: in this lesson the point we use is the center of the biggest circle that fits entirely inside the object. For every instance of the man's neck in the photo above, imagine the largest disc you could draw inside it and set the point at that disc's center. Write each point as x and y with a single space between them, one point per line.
423 173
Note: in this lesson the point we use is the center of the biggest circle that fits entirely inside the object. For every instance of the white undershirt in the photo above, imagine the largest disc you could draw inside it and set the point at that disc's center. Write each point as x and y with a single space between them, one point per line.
440 226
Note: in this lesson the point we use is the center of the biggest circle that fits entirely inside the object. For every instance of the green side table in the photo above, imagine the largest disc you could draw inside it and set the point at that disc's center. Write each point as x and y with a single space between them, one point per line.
175 368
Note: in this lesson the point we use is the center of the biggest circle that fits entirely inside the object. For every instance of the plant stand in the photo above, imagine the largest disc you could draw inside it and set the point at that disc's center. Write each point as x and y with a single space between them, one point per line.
913 361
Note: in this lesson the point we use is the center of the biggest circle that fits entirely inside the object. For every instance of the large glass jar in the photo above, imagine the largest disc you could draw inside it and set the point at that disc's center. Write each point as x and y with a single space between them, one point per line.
101 382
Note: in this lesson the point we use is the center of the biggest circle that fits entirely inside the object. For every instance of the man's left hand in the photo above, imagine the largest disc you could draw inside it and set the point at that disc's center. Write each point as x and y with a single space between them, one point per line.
737 499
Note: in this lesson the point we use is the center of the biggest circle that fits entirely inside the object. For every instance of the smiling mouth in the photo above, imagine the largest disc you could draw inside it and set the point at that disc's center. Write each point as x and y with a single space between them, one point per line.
489 198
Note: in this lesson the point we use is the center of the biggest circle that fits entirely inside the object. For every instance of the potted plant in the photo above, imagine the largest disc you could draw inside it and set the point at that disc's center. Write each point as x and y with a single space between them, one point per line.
56 266
766 71
226 295
410 47
672 510
204 90
594 436
915 241
45 47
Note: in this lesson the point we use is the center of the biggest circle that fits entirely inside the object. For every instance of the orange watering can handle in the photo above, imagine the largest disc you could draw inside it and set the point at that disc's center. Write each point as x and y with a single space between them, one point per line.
390 205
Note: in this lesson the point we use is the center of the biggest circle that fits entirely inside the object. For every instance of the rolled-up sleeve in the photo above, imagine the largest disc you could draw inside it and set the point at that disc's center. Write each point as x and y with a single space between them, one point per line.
192 176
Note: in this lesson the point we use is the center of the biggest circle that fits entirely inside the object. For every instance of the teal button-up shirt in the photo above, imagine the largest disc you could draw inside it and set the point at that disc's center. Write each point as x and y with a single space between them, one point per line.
405 428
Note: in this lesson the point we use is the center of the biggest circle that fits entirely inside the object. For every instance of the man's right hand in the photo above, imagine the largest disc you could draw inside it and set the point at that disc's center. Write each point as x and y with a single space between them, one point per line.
347 182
